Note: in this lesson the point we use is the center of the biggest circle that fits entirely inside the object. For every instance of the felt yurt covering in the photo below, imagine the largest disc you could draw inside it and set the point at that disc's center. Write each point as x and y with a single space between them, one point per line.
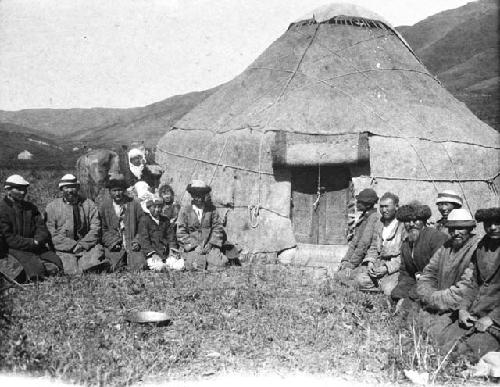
339 88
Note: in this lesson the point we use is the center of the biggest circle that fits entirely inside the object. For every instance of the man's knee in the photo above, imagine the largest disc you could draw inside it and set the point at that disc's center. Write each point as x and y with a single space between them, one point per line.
363 280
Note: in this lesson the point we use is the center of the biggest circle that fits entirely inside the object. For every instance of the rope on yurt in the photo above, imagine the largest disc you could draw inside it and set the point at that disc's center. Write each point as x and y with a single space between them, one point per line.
219 160
214 163
253 209
456 175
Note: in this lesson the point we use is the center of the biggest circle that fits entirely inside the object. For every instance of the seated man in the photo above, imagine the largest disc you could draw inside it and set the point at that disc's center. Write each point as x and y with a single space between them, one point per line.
156 239
446 202
120 217
417 248
447 276
25 238
199 230
477 330
380 267
363 232
75 226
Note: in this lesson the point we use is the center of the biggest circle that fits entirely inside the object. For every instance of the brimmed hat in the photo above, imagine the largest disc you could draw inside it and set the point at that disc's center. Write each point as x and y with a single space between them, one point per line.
367 196
413 212
154 200
449 196
460 217
68 180
198 187
488 214
116 180
16 181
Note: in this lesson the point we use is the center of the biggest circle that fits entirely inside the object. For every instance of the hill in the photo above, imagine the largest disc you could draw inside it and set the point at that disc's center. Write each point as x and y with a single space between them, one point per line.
460 47
105 127
46 152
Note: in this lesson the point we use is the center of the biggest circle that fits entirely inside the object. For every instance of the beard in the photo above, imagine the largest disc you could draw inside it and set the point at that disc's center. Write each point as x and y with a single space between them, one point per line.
457 243
136 170
413 234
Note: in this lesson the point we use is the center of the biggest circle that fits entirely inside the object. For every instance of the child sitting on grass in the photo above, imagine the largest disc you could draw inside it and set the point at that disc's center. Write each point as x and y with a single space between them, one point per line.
156 239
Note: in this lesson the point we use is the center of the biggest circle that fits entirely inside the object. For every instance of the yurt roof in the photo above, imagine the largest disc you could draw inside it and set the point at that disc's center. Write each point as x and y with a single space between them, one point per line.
329 11
333 74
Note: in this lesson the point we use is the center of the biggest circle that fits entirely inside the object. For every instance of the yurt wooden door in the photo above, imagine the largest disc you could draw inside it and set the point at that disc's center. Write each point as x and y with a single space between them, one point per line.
320 196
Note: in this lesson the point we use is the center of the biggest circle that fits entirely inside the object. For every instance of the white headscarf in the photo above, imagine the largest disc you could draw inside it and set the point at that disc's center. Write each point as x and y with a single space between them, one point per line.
136 170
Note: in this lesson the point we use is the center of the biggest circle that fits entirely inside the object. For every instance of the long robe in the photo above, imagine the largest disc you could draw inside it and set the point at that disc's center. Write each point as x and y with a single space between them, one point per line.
208 232
414 259
61 225
20 225
481 299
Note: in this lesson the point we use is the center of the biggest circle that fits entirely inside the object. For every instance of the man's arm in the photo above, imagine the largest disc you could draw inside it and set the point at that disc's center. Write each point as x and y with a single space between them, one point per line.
110 236
59 238
427 283
217 232
14 241
183 237
364 241
90 239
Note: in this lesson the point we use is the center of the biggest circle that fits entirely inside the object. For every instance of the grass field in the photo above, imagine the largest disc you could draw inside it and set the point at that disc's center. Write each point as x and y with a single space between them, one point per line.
254 318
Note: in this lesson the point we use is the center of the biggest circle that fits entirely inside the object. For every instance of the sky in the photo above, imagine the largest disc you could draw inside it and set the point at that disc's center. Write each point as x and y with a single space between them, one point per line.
128 53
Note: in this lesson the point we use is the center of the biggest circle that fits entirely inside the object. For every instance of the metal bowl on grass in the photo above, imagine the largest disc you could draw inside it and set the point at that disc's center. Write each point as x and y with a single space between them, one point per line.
148 317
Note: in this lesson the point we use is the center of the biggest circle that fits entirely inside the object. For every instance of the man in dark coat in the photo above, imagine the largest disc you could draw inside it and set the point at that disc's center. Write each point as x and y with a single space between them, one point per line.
200 233
156 239
419 245
477 330
363 233
25 242
120 217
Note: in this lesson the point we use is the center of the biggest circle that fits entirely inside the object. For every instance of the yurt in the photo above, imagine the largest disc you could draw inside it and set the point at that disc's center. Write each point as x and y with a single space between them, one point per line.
336 104
25 155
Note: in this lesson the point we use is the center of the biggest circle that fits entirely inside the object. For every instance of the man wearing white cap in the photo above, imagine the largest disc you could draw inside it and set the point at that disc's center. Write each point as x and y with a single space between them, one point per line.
447 277
25 253
446 202
75 226
200 233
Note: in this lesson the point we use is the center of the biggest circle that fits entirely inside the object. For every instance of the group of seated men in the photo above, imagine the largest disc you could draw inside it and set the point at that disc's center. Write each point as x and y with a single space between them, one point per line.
74 235
445 273
450 274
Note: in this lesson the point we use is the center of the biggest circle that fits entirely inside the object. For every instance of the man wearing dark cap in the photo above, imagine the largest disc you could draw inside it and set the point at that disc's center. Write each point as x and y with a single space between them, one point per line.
120 216
200 233
363 232
447 276
477 330
24 245
75 226
419 245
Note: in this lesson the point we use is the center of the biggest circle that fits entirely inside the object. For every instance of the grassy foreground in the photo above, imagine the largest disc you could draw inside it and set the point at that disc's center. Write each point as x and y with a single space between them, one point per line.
254 318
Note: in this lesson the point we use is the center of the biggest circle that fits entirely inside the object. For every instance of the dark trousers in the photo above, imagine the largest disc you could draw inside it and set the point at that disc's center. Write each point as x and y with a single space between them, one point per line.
39 264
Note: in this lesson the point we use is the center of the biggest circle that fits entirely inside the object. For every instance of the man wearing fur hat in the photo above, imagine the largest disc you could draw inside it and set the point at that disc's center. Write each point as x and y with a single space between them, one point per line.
419 245
380 266
447 276
446 202
25 240
363 232
200 233
478 327
75 226
120 216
